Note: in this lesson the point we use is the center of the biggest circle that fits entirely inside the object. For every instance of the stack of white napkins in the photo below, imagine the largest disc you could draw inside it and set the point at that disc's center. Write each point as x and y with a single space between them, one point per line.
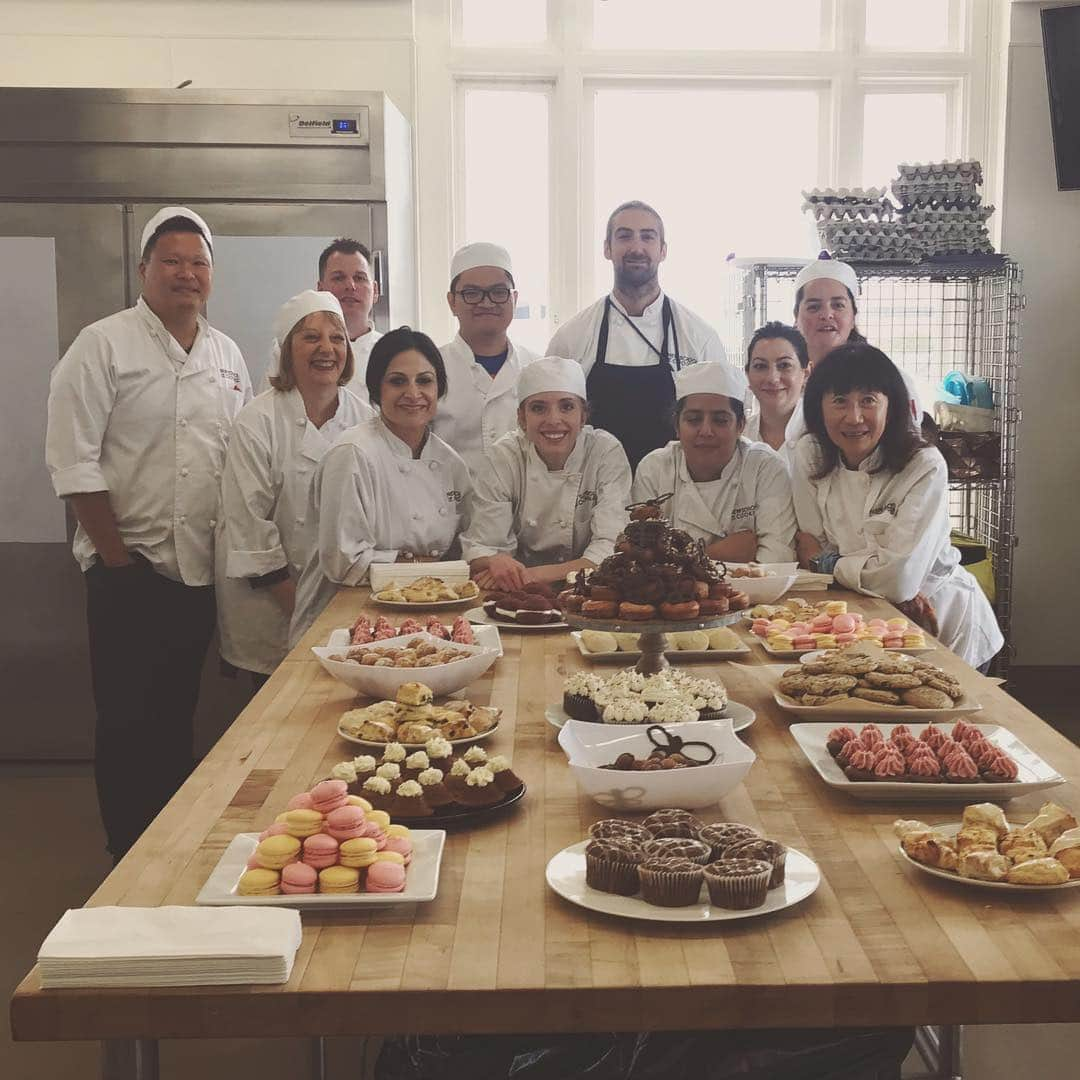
455 572
806 580
170 946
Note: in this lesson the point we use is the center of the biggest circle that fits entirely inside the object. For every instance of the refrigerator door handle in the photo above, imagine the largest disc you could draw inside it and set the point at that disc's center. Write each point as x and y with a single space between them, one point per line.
378 260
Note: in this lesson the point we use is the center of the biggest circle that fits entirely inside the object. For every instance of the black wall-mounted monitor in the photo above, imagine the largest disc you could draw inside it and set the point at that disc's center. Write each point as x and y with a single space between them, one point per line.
1061 46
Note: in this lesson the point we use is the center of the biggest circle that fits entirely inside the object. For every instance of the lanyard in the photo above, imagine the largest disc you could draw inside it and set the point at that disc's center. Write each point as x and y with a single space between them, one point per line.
667 320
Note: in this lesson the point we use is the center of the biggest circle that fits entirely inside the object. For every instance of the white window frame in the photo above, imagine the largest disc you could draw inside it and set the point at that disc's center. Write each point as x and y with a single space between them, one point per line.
844 69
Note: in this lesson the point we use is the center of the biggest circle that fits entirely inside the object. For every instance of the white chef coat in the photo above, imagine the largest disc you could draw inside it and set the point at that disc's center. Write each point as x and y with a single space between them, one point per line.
361 348
894 535
522 508
478 409
752 493
264 523
795 430
132 414
577 338
373 499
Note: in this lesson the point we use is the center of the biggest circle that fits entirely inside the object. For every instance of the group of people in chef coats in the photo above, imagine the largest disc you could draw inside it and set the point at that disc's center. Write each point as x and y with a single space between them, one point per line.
374 448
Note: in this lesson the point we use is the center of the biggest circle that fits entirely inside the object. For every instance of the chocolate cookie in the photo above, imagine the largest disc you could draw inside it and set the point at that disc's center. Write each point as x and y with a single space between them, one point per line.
831 685
882 697
880 680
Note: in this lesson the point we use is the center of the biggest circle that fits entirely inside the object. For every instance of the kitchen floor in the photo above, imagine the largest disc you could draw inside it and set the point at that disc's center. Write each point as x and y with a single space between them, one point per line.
62 859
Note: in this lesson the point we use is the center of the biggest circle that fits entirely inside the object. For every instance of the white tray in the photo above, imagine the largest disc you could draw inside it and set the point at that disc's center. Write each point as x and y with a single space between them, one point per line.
814 654
1002 886
741 717
421 879
1034 773
488 636
566 876
681 654
414 605
856 708
479 617
373 745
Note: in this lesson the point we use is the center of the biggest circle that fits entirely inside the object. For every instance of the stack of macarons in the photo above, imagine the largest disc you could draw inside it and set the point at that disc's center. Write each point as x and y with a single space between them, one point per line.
328 841
826 631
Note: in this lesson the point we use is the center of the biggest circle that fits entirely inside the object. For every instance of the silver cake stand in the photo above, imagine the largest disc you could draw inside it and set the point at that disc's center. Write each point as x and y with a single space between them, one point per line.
652 639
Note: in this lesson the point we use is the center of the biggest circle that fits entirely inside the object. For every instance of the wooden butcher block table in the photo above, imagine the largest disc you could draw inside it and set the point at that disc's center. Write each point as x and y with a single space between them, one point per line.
879 943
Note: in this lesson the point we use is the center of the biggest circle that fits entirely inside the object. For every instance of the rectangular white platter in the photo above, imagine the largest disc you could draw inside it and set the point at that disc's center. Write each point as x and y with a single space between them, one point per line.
671 654
421 880
1034 773
794 654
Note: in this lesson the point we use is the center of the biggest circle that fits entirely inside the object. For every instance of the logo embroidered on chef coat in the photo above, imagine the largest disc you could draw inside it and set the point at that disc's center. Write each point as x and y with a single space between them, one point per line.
744 512
455 496
587 498
885 508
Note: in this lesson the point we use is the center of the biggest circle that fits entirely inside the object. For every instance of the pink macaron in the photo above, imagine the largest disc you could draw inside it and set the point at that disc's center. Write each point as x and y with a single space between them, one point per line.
320 851
402 845
844 639
804 643
373 831
346 822
300 802
279 828
843 624
298 877
329 795
385 877
876 622
893 641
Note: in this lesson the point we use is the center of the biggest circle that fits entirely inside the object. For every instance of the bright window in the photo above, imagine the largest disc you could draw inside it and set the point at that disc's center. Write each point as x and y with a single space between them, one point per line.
912 26
737 190
774 25
902 128
502 22
505 193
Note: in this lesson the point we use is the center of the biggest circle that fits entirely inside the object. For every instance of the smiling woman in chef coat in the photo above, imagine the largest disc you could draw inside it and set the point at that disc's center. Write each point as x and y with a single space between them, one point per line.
389 490
267 535
553 494
872 502
732 493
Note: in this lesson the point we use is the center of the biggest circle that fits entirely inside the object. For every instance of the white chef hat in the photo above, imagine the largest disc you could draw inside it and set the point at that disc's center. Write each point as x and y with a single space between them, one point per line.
299 307
833 269
482 254
552 374
167 212
711 377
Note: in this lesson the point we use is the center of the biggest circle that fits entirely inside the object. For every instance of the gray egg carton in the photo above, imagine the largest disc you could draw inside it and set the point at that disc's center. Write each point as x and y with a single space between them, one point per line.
934 173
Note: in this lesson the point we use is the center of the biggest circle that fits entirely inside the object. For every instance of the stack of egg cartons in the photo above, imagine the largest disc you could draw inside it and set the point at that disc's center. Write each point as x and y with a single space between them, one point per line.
941 209
859 224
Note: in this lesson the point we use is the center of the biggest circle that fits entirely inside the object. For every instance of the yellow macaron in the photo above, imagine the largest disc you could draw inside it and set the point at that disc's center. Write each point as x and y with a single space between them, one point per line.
277 851
303 823
259 882
390 856
339 879
397 830
355 800
358 852
380 817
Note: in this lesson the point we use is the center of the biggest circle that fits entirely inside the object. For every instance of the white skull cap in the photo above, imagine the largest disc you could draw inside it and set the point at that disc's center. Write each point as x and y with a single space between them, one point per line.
552 374
167 212
833 269
482 254
712 377
299 307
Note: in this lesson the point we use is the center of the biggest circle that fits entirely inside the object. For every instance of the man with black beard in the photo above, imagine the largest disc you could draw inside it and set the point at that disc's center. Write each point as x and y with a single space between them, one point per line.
631 341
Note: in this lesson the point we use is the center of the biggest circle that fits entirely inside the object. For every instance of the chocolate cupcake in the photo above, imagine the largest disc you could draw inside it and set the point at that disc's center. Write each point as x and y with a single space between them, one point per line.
577 698
435 792
619 829
738 884
672 822
720 834
507 780
670 882
677 847
770 851
611 866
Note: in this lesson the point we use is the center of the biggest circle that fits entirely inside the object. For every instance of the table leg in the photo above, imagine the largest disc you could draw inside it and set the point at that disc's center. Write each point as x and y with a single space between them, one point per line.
939 1047
129 1059
318 1058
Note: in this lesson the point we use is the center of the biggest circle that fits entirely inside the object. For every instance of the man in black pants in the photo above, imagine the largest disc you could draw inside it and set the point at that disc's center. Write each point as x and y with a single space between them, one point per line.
140 408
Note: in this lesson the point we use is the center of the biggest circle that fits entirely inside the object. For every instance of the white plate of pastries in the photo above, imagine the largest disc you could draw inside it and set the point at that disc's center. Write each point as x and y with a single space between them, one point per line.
430 592
986 850
721 643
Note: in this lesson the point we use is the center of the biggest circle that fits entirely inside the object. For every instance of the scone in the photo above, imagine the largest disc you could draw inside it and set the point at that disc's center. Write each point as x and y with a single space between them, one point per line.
930 848
988 814
415 732
598 641
377 731
1023 845
1038 872
414 693
977 838
484 719
1066 849
1052 821
983 865
905 825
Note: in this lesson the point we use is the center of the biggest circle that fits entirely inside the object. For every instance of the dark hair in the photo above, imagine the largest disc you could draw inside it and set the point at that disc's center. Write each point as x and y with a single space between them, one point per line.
856 336
343 246
457 277
773 330
858 366
737 408
398 341
633 204
171 225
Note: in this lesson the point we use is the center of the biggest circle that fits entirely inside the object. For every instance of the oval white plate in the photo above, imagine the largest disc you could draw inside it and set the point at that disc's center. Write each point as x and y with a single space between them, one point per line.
566 876
741 716
812 657
1002 886
414 604
479 617
415 746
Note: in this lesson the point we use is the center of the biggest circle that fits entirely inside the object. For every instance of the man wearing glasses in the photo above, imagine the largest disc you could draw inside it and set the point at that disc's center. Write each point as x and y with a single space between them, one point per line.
482 363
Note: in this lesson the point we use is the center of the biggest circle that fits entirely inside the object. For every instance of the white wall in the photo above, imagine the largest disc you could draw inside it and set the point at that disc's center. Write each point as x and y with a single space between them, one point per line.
1041 229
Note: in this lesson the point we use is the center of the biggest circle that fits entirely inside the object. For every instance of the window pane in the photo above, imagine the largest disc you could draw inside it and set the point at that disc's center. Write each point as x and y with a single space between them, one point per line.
506 196
726 177
706 24
503 22
902 128
914 26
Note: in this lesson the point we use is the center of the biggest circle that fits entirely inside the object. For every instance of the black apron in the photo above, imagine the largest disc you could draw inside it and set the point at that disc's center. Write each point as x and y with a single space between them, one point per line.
634 403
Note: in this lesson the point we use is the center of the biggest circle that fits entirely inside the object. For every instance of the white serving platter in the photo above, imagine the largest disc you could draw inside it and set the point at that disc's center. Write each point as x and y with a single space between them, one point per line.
741 716
566 876
371 744
421 879
485 635
479 617
1034 773
856 708
415 605
952 829
671 654
814 655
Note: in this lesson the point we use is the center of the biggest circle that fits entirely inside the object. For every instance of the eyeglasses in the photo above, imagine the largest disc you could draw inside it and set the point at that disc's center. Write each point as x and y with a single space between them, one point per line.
473 294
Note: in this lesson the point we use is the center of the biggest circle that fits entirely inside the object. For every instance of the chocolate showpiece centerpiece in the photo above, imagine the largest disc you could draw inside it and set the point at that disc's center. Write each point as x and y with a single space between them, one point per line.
659 579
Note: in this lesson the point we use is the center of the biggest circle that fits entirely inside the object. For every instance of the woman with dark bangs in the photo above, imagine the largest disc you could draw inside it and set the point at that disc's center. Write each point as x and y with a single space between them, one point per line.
871 498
